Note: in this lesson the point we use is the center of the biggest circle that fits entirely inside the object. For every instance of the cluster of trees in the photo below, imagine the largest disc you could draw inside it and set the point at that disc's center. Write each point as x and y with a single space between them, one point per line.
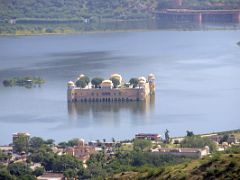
40 151
19 171
83 81
75 9
23 81
100 164
198 142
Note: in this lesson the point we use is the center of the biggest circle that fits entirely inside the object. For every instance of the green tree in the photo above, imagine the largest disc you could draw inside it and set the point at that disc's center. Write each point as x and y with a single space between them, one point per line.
4 174
97 81
115 82
81 83
3 156
198 142
190 133
134 82
36 142
142 145
224 138
20 144
73 142
7 83
85 78
70 173
38 171
49 142
19 169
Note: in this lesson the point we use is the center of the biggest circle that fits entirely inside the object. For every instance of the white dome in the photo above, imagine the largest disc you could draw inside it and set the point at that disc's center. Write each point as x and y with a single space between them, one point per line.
142 79
81 75
141 82
151 77
70 83
117 76
107 83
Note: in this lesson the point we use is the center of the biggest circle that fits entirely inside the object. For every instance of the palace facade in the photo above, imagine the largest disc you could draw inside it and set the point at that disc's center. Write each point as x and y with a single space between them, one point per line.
106 92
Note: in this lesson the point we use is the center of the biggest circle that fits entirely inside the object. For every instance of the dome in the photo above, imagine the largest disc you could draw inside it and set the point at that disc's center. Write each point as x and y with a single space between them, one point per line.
142 79
81 75
151 77
117 76
107 83
70 83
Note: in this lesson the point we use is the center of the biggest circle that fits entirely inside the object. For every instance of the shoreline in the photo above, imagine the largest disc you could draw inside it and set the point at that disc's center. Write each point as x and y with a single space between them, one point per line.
121 31
233 131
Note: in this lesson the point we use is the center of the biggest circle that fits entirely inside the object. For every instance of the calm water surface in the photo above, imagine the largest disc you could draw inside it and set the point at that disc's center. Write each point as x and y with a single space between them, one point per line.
198 83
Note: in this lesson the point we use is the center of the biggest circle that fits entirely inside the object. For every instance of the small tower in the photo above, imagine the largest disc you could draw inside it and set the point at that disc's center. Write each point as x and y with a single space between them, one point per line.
70 91
152 86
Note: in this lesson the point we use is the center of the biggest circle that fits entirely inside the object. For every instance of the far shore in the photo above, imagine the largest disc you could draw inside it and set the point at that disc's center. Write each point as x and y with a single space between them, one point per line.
122 31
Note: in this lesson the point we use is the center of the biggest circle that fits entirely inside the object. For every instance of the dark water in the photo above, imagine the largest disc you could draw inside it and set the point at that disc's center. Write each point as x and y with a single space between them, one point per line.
198 89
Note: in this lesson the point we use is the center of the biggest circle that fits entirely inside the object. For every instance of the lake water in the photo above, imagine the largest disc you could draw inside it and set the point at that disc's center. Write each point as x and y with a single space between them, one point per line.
198 83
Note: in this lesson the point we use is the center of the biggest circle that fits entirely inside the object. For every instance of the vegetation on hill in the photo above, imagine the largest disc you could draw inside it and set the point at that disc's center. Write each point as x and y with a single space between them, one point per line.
224 165
132 162
67 16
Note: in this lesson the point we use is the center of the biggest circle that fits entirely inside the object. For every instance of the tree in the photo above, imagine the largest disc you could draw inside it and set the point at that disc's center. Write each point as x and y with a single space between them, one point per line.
20 144
4 174
224 138
198 142
97 81
62 145
142 145
37 157
70 173
3 156
49 142
190 133
134 82
38 171
113 140
73 142
85 79
81 83
36 142
19 169
7 83
115 82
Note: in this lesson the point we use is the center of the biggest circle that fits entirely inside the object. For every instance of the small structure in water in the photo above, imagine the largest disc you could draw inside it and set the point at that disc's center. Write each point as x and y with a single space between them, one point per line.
109 91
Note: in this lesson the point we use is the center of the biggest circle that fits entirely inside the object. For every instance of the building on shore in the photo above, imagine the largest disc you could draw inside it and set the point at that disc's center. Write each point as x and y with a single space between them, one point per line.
51 176
155 137
106 92
81 151
184 152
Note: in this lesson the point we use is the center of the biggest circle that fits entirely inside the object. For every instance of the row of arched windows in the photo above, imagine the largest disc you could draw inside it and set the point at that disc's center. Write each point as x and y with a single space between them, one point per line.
106 99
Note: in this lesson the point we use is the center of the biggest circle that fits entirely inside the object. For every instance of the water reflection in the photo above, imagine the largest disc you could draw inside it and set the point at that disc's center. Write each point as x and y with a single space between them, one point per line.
76 110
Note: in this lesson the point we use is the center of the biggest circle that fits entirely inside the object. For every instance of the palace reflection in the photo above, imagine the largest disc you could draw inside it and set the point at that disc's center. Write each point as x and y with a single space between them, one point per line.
76 109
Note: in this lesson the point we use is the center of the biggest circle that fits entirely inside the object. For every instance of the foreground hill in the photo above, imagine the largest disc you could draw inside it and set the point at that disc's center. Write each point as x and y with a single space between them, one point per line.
218 166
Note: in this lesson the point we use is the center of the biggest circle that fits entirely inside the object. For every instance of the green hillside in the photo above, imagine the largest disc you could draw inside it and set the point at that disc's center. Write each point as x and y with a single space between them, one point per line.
218 166
24 17
73 9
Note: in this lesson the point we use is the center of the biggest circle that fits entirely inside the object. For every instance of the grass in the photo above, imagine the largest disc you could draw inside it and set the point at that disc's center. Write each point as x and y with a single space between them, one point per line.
219 166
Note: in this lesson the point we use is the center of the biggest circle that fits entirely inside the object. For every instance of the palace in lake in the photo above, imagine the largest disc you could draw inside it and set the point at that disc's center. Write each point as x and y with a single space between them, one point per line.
107 92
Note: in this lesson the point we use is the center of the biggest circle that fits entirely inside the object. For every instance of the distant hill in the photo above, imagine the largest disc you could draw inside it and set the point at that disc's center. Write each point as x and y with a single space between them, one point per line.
71 9
123 9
